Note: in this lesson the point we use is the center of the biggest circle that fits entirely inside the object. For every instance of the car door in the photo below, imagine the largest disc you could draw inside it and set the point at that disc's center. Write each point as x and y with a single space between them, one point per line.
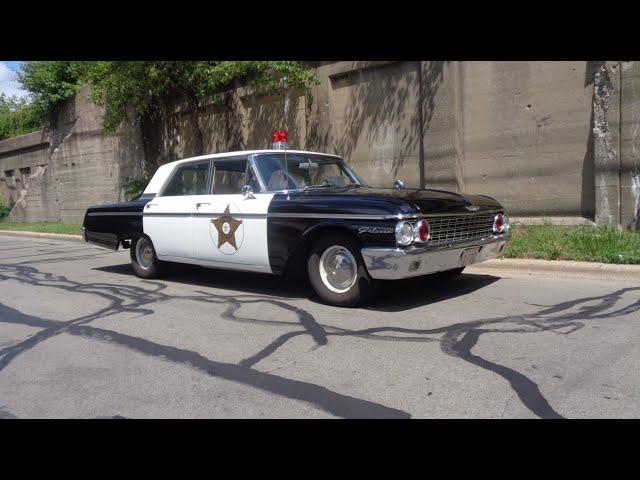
230 228
167 218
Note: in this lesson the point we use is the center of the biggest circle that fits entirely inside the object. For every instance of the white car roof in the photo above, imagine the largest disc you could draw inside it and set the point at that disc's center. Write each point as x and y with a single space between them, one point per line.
165 170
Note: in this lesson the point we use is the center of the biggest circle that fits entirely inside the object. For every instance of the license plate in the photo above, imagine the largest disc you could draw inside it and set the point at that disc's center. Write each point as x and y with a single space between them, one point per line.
469 256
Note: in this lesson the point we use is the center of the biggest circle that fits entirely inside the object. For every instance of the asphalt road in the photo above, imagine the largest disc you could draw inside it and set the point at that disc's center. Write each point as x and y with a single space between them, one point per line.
81 337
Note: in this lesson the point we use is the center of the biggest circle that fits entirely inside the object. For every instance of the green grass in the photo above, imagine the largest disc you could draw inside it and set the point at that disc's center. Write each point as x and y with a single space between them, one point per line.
44 227
582 243
548 242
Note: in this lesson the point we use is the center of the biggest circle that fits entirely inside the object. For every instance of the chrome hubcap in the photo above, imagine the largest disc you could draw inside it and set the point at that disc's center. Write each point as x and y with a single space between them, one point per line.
338 269
144 253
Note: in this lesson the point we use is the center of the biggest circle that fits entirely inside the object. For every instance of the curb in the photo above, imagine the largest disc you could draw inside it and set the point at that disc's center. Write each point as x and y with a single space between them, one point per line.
53 236
517 266
560 269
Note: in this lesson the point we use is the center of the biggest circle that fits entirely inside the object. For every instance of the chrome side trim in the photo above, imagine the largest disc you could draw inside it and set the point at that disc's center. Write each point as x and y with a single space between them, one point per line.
234 215
339 216
204 214
169 214
355 216
275 215
108 214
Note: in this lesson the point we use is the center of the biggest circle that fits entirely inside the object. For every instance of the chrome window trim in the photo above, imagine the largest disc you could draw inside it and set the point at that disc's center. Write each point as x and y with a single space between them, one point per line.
256 172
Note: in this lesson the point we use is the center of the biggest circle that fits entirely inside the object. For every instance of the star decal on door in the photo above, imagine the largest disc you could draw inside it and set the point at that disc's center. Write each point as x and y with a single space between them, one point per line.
226 226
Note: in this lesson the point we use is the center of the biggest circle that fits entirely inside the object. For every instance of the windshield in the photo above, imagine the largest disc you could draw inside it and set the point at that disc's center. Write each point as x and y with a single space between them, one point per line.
304 171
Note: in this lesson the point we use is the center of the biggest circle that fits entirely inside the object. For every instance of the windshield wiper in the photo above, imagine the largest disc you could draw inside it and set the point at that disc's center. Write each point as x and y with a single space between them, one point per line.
327 184
321 185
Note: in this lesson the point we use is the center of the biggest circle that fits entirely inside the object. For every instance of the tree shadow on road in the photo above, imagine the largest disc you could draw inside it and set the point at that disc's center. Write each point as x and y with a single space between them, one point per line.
455 339
391 296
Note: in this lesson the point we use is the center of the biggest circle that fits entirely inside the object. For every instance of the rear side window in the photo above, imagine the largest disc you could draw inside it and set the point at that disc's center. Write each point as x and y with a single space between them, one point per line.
190 179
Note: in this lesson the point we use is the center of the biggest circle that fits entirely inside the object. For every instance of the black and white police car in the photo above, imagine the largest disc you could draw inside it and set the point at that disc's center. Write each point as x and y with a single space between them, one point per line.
293 212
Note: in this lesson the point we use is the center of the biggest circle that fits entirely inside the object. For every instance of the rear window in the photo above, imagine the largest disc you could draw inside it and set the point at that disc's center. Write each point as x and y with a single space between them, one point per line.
190 179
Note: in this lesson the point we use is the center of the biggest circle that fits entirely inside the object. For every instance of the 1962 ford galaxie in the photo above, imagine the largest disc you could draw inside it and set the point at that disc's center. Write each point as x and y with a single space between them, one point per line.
295 212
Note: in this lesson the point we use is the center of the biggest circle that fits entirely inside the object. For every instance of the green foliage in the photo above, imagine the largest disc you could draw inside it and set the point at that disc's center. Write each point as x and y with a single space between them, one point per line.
5 210
50 83
17 117
581 243
134 186
142 88
145 88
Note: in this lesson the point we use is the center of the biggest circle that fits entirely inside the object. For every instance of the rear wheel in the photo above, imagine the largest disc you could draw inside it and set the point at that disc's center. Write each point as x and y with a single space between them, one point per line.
144 261
337 272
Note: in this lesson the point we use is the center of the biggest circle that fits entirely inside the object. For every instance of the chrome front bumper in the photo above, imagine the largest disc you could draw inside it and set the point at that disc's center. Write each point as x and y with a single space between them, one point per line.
396 263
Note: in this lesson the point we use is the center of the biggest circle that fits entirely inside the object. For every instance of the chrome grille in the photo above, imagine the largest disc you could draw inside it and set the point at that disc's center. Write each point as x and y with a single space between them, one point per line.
456 228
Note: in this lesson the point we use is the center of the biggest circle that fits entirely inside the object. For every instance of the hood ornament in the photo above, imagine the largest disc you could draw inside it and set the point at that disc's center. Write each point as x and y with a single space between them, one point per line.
472 208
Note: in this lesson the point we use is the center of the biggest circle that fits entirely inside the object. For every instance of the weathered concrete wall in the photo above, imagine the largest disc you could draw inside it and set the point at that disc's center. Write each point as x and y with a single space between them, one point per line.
548 139
21 158
76 164
519 131
630 145
525 135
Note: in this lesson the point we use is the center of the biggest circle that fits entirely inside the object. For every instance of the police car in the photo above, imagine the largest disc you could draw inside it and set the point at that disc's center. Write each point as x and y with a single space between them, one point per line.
295 212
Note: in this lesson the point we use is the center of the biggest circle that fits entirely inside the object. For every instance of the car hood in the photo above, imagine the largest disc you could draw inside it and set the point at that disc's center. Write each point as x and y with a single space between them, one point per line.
422 200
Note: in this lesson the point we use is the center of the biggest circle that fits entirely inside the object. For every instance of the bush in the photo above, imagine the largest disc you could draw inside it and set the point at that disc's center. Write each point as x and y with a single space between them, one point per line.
133 187
17 117
5 210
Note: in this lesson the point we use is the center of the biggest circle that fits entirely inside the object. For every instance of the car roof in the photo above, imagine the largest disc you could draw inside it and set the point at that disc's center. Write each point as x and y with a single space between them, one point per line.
246 152
164 171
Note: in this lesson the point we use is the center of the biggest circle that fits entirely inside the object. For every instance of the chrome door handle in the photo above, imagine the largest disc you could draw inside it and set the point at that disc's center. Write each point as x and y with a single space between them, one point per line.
201 203
151 205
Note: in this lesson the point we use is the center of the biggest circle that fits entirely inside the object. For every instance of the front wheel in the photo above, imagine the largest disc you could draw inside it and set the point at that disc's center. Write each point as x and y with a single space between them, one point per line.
144 261
337 272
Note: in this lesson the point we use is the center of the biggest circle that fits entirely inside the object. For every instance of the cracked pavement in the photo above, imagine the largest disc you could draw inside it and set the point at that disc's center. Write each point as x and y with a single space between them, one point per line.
82 337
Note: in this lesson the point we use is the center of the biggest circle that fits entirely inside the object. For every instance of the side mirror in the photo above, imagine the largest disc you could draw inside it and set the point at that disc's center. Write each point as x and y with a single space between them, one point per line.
247 191
398 184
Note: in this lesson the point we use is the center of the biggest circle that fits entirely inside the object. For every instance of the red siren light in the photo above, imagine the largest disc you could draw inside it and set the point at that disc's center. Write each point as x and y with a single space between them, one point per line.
279 139
279 136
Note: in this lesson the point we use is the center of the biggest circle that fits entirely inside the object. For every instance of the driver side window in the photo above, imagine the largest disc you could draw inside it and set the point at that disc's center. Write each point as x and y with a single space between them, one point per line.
229 176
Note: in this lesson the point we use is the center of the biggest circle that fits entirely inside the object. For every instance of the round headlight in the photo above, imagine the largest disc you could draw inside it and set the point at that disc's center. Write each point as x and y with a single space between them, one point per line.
421 231
404 233
501 223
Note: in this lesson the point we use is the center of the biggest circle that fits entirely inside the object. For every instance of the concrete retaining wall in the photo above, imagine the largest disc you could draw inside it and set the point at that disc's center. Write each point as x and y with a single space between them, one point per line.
71 167
522 132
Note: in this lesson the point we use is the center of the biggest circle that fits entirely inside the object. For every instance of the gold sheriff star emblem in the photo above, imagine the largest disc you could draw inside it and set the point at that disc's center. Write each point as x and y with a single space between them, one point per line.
226 226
